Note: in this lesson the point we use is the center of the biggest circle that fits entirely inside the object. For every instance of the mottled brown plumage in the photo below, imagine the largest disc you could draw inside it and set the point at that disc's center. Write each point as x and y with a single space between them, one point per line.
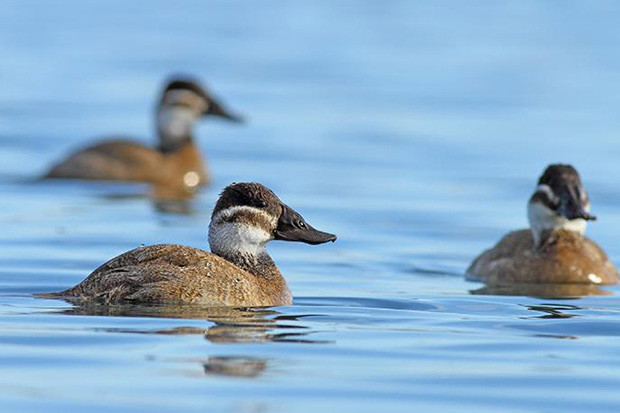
170 273
239 272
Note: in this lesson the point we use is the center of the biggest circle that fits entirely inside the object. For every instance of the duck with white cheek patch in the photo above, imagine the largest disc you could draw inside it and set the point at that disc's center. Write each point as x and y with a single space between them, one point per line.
237 273
176 162
554 249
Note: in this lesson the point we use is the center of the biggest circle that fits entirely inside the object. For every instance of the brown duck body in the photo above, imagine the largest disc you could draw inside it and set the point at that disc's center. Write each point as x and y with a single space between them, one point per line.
170 273
563 257
239 272
122 160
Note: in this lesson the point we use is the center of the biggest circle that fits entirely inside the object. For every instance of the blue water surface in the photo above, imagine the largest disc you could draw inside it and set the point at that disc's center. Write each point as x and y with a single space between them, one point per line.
413 130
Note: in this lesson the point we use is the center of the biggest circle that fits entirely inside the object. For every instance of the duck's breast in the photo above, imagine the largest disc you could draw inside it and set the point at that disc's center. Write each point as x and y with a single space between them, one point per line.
185 167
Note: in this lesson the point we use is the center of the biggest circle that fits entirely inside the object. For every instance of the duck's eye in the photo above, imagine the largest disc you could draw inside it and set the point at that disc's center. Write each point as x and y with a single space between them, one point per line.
301 224
261 203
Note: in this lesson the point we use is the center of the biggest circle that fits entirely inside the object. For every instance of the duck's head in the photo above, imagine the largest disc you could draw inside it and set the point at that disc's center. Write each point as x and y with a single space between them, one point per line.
248 215
559 202
183 101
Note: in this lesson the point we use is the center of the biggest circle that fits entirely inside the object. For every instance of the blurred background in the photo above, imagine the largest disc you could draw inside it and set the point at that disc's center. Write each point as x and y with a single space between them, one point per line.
414 130
411 116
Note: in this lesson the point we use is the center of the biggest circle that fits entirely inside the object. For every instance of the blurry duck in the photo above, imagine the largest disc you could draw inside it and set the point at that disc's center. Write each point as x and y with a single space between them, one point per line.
554 249
239 272
176 162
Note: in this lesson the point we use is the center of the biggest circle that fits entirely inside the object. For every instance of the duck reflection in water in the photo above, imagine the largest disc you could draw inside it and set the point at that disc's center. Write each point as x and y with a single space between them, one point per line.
555 291
230 325
235 366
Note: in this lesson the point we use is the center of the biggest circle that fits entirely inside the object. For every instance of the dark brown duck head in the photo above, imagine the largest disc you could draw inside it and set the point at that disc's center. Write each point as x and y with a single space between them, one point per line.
248 215
559 202
183 101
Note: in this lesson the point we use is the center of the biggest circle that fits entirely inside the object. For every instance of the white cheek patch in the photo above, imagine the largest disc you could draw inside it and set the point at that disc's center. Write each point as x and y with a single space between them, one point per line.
542 218
175 124
228 237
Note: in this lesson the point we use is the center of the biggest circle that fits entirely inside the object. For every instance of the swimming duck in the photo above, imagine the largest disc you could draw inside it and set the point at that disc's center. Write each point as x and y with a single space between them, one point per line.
176 162
554 249
237 273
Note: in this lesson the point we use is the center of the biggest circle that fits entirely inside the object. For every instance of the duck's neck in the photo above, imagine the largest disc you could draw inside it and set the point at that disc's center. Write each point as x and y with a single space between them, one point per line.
259 265
175 127
269 281
243 245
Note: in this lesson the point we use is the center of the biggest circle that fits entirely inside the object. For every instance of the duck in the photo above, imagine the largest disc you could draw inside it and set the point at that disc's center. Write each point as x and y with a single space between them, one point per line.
238 272
554 250
175 163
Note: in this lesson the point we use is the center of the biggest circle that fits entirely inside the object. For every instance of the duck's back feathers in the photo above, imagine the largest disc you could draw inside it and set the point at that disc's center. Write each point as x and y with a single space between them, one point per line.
111 160
565 257
123 160
169 273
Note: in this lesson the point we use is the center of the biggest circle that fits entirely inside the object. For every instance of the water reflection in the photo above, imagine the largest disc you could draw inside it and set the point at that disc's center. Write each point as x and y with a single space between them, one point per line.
235 366
556 336
231 325
554 325
556 291
165 198
553 310
173 200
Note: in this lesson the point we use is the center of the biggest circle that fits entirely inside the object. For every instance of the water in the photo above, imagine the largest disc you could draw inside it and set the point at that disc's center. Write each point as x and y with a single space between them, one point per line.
413 130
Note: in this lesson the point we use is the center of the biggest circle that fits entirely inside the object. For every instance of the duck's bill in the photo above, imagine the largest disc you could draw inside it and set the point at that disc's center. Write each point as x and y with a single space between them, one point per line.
292 227
580 214
574 208
216 109
308 235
